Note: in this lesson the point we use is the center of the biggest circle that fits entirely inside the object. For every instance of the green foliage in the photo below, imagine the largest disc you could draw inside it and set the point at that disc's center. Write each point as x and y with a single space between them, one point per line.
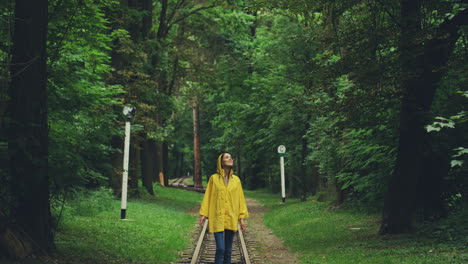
90 202
296 85
461 119
81 102
366 165
155 232
80 202
452 229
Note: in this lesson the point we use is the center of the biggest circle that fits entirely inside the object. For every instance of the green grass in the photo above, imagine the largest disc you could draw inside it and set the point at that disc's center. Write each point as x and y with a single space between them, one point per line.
321 234
264 197
158 229
91 231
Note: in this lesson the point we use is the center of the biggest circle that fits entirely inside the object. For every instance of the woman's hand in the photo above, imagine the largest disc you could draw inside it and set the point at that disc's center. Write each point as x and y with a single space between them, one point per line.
201 220
243 224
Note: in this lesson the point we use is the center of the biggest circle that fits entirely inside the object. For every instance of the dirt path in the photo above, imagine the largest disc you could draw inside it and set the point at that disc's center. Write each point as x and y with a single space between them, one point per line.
268 249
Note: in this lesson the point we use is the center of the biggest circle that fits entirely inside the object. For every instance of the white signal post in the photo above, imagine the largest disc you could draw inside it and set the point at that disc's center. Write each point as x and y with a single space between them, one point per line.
281 153
129 112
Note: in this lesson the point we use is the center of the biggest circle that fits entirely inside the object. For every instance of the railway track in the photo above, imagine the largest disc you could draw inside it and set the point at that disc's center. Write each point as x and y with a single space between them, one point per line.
204 249
178 183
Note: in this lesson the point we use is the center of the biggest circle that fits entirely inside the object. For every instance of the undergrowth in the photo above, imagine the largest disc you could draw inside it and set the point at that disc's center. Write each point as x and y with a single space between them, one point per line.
322 233
157 227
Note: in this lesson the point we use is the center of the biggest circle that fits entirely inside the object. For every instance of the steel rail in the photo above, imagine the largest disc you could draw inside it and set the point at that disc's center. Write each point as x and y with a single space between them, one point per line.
196 254
244 251
202 239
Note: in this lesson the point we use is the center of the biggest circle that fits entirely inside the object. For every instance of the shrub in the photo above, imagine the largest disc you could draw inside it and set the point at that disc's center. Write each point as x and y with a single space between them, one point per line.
81 203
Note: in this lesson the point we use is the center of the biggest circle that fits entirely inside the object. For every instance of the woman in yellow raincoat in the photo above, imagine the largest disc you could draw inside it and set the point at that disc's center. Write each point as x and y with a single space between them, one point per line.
224 206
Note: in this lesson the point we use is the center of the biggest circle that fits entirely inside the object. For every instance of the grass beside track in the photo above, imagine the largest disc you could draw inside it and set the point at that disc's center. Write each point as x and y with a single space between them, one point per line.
158 228
91 232
321 234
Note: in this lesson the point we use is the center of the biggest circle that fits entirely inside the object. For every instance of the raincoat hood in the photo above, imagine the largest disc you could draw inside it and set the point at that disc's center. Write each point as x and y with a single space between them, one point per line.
220 169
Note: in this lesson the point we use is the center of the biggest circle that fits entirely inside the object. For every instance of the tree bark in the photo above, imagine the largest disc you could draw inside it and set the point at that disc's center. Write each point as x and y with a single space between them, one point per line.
28 134
196 149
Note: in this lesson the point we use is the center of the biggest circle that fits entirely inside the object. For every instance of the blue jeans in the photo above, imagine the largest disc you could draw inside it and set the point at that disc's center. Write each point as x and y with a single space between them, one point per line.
223 246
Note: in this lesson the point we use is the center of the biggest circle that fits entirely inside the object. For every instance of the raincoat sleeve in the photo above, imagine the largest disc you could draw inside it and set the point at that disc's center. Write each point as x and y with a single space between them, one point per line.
243 213
205 205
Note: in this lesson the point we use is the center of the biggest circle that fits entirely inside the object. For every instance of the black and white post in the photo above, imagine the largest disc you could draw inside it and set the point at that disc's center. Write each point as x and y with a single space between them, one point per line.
281 153
129 113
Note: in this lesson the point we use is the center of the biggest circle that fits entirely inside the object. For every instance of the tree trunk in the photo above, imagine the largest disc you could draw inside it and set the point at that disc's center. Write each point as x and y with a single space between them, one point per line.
28 134
147 166
183 171
196 149
303 168
117 141
14 243
340 193
315 181
4 77
116 160
162 27
422 67
254 171
430 194
239 166
157 160
289 181
134 169
139 29
177 163
165 162
399 209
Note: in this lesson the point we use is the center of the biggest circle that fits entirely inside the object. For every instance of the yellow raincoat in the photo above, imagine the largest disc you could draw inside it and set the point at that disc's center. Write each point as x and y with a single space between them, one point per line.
223 205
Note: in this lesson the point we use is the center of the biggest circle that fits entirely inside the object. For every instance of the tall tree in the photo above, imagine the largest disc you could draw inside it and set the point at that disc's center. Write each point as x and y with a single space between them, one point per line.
423 60
196 147
129 56
172 15
28 135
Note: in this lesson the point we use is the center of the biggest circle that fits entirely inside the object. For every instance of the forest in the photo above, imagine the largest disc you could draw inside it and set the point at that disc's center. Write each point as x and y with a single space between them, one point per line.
368 96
